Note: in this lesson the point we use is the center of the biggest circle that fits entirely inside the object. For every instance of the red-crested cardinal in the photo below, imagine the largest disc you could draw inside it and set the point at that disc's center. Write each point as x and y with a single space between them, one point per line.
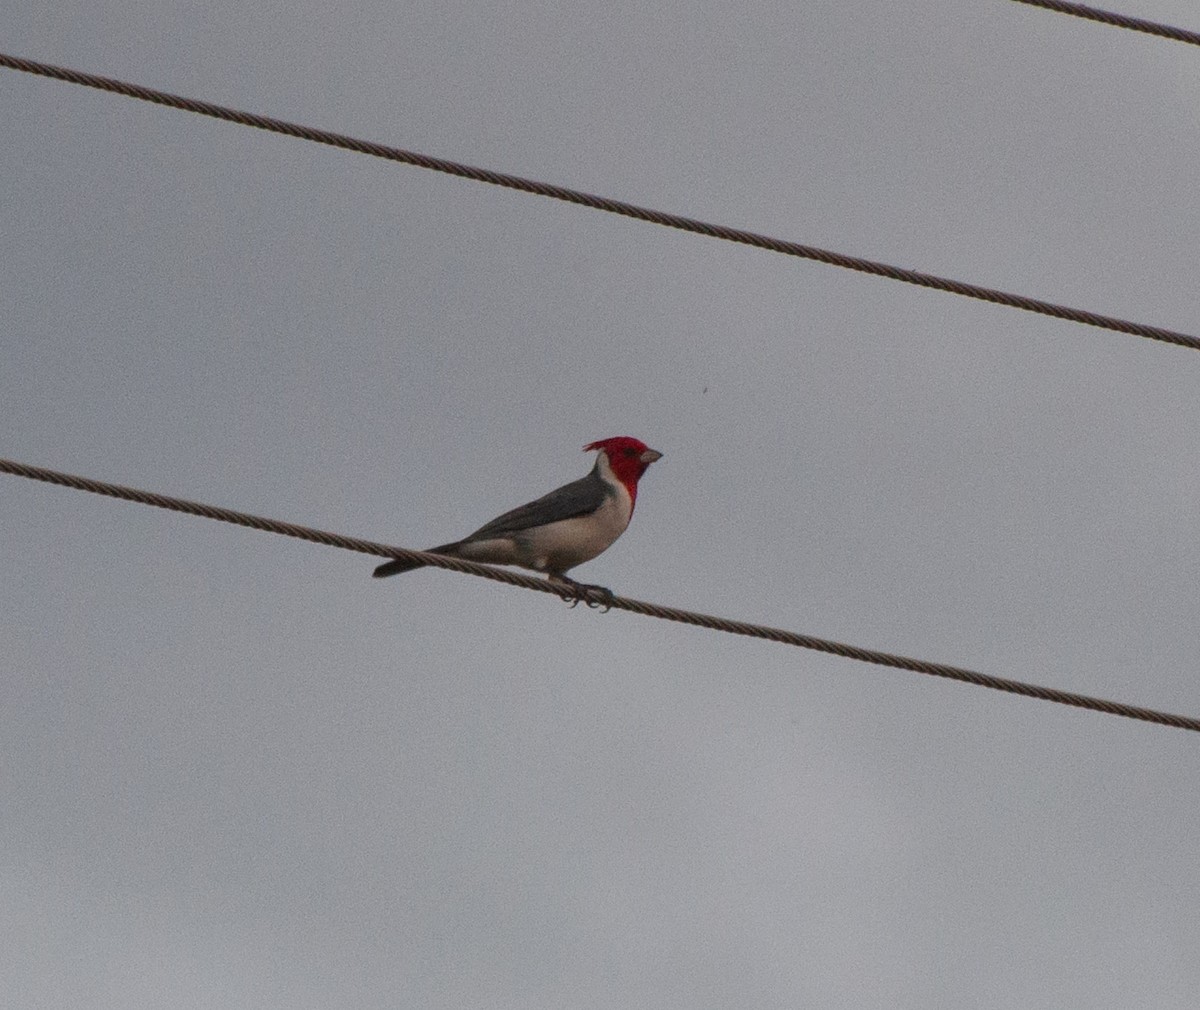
564 528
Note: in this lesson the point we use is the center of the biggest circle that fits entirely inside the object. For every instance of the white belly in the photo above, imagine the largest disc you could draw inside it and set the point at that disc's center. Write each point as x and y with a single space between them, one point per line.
563 545
560 546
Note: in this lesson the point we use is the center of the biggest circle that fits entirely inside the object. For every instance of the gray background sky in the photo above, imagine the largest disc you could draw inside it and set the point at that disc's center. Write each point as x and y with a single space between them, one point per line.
238 772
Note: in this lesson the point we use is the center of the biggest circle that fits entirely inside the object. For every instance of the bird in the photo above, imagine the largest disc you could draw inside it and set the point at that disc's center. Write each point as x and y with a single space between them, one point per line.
562 529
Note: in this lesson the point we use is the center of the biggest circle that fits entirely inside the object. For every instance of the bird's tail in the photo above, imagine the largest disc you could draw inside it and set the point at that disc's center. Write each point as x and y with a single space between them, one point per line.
396 566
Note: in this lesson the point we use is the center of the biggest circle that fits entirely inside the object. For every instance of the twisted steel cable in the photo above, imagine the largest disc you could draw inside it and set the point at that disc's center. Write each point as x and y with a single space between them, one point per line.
655 610
602 203
1117 20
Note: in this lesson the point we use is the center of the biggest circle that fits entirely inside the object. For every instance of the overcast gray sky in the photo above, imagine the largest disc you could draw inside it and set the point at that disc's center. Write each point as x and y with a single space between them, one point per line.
236 771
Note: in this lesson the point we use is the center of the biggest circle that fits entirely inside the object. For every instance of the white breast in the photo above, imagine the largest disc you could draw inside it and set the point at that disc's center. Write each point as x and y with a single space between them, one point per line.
557 547
560 546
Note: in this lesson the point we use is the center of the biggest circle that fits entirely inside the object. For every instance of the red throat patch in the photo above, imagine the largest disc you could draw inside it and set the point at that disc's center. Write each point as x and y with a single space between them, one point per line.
625 459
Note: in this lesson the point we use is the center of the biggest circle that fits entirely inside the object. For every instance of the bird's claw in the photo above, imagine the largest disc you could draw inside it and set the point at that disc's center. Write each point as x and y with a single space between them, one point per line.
595 597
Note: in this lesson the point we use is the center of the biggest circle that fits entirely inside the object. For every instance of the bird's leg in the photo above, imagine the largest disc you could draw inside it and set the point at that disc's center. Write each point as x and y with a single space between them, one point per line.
576 592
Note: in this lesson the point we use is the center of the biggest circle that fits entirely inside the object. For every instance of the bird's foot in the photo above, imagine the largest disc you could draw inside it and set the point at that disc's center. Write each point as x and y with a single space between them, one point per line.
580 592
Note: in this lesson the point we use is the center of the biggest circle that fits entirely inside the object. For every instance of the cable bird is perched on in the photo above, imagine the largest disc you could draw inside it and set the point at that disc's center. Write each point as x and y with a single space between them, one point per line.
564 528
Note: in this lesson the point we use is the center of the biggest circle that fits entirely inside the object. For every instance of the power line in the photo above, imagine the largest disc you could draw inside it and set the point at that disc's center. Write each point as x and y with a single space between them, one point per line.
1117 20
655 610
602 203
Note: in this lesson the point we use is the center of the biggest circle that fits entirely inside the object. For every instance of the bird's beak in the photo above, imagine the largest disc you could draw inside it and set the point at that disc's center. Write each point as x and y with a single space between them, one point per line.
649 456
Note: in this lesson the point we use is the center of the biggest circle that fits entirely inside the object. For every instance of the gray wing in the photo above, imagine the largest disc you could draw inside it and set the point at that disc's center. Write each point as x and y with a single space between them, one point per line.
580 497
